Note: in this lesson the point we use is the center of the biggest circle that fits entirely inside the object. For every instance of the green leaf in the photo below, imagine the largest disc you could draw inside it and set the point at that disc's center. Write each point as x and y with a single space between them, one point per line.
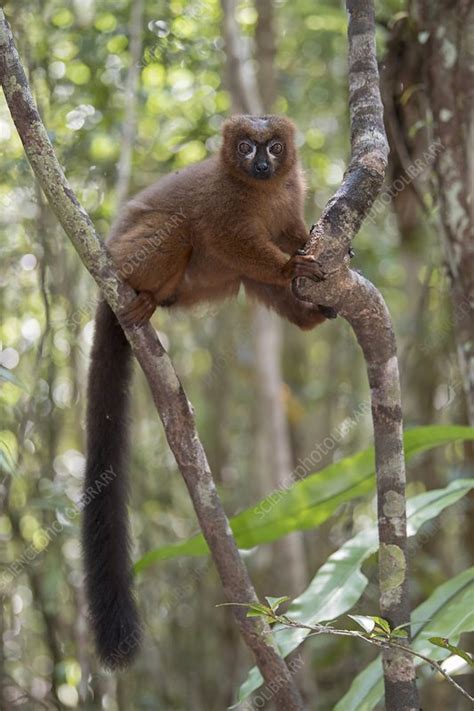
258 611
445 644
310 502
275 602
255 609
372 623
367 623
339 583
382 624
399 633
448 611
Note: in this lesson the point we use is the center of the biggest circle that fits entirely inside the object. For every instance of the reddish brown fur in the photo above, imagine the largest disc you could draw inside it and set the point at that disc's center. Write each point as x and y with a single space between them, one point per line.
198 233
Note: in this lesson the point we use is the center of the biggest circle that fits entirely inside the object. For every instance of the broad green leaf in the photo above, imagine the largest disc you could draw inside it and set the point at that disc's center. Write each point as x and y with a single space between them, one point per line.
310 502
450 611
339 583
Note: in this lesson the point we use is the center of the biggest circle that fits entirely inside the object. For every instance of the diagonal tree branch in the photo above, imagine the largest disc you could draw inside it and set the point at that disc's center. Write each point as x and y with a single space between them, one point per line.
170 400
360 303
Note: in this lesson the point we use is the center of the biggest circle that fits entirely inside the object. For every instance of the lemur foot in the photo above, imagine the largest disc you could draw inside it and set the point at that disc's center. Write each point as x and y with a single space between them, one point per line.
139 311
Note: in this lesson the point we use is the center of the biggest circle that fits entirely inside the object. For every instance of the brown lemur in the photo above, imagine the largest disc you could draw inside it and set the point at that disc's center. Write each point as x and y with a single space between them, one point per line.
195 235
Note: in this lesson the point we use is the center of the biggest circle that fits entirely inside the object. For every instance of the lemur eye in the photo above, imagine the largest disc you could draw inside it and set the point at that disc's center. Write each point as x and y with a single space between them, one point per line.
276 148
244 148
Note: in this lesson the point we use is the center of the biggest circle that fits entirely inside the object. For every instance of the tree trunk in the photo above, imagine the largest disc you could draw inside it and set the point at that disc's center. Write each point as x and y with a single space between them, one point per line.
448 66
274 457
124 169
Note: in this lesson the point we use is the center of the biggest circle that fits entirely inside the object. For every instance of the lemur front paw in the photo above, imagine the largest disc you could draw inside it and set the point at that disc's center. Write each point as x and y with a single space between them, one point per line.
304 265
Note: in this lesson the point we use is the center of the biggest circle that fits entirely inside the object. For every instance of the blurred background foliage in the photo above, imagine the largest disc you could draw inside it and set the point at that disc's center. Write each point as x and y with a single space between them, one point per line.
77 55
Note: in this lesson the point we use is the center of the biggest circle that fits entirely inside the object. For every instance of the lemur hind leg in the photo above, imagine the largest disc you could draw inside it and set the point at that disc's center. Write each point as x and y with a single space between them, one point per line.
283 301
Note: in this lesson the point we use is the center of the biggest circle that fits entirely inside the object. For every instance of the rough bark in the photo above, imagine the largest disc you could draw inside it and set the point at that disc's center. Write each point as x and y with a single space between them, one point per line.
171 402
358 301
448 68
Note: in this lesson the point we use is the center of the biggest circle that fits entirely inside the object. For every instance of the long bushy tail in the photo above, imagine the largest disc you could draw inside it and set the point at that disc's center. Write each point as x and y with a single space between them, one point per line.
105 532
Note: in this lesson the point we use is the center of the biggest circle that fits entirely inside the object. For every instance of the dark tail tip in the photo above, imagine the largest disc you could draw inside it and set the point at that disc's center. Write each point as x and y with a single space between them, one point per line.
118 632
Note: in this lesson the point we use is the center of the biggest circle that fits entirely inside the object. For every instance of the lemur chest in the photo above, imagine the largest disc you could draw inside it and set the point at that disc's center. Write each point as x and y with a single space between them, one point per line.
242 217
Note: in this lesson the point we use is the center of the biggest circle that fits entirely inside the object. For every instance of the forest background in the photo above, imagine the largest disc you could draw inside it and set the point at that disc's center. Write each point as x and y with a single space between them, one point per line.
129 92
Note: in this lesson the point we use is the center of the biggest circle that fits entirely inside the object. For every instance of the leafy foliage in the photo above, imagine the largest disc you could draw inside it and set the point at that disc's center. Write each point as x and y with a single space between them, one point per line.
308 503
448 611
339 583
77 56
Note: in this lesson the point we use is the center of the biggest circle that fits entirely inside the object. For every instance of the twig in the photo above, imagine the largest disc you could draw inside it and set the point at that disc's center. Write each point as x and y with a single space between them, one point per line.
374 641
436 665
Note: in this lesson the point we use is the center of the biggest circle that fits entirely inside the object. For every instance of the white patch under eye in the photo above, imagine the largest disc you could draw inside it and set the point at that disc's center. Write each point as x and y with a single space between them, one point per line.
243 146
275 148
272 156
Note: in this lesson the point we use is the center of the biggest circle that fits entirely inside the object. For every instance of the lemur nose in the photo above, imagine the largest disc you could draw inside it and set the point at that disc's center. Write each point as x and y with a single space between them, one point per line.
261 166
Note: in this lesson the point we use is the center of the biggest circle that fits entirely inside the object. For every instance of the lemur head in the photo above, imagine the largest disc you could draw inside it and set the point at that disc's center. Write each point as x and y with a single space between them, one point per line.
258 147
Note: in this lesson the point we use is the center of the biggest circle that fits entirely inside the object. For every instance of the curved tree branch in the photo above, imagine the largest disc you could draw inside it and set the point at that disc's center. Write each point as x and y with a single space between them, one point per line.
360 303
344 213
170 400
